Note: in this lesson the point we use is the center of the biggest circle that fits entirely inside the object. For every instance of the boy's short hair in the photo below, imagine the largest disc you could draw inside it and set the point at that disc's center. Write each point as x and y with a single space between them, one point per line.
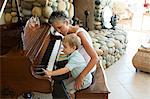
57 15
72 40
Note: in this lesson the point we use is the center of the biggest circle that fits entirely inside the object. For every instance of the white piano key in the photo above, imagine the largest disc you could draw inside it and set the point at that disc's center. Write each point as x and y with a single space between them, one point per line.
54 54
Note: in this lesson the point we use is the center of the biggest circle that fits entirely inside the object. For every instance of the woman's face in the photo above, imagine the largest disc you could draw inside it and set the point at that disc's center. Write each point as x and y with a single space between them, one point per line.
61 27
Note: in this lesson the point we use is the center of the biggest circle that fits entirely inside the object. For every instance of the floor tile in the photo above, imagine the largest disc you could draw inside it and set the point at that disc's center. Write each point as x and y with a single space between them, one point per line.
123 80
118 92
138 91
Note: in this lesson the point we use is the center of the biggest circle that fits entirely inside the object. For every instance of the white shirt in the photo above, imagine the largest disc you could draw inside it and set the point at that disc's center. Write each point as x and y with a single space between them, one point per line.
81 48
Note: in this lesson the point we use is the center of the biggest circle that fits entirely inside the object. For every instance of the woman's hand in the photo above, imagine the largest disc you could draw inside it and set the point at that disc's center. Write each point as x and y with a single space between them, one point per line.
78 83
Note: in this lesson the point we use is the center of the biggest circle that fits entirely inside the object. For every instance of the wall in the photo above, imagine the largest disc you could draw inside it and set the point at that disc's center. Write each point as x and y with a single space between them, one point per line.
80 7
2 20
40 8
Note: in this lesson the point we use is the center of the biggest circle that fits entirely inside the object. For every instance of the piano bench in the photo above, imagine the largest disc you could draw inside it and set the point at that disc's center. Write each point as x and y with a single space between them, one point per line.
97 90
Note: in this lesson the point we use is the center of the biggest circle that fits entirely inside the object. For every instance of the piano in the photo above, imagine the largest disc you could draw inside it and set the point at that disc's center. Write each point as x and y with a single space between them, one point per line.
22 57
21 69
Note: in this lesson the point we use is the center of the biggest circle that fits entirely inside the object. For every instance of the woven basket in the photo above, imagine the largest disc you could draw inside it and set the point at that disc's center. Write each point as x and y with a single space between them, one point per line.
141 60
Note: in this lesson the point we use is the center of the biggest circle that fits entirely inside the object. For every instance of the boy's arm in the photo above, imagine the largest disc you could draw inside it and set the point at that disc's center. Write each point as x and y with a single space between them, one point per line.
57 72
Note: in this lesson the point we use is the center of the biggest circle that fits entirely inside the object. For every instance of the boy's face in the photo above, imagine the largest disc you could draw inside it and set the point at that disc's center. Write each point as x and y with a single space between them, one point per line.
61 27
67 48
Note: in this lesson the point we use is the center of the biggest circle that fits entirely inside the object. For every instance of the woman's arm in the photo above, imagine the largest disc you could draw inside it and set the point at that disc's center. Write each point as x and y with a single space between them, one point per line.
57 72
94 59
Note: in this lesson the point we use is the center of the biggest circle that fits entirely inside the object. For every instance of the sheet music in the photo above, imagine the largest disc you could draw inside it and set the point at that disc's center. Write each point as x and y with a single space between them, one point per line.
54 55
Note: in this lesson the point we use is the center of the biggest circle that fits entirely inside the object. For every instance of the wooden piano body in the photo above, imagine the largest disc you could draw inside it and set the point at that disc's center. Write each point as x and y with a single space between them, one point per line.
17 65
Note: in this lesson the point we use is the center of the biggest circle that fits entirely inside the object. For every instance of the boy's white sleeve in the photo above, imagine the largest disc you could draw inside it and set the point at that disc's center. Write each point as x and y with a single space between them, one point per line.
72 63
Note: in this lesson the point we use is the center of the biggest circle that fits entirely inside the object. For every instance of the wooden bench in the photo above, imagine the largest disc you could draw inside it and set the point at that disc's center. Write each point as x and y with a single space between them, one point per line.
98 90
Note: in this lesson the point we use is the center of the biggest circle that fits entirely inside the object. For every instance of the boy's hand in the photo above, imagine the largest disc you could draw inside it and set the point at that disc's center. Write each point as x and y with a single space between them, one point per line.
78 83
48 73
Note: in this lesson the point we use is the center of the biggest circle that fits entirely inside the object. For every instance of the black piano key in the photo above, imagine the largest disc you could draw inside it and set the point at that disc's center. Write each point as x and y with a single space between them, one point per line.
39 73
47 53
38 69
40 66
61 64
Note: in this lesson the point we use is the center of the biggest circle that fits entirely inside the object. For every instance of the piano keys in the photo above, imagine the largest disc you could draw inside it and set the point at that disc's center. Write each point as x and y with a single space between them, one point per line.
52 58
54 55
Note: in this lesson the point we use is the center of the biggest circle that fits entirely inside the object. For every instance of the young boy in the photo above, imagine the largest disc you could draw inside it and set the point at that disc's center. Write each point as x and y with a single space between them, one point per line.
76 64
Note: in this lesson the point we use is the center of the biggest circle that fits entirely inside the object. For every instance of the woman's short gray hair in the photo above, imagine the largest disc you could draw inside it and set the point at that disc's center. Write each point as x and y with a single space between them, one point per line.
57 15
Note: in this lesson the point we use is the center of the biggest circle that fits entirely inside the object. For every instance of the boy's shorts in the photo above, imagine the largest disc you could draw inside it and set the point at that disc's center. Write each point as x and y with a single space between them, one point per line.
70 85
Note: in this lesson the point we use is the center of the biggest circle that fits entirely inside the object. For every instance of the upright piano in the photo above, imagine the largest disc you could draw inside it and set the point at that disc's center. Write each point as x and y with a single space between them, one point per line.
21 68
22 57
